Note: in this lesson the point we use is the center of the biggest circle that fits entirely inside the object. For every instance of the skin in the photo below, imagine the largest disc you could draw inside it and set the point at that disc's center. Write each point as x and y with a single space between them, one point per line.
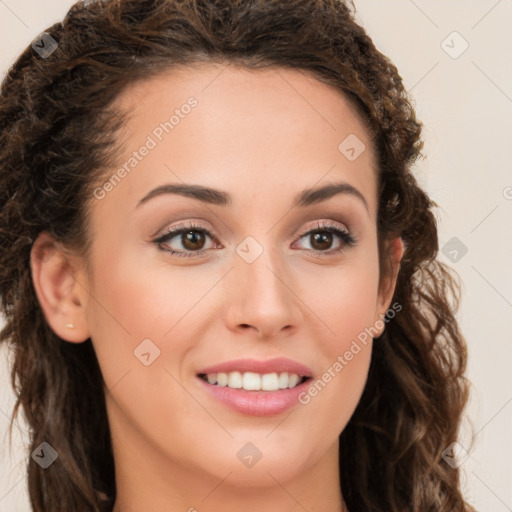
263 137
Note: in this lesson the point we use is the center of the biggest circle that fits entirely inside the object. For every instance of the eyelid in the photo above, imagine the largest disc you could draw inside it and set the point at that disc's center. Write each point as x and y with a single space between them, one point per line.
325 223
343 232
185 224
183 227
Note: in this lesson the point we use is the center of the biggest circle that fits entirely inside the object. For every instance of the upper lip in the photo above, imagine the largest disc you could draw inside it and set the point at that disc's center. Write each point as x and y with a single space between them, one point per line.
277 365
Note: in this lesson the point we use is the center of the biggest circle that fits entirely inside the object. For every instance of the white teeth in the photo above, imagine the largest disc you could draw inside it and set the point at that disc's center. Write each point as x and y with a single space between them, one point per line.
283 380
251 381
293 380
221 378
269 382
234 380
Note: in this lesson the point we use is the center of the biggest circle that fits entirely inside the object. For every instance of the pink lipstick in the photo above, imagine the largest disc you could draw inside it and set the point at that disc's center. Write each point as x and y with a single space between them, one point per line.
257 388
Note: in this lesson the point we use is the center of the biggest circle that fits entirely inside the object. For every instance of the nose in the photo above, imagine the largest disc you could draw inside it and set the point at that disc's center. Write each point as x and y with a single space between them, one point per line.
262 298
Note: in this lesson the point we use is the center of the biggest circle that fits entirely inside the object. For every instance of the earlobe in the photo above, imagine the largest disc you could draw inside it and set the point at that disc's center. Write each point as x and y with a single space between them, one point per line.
61 297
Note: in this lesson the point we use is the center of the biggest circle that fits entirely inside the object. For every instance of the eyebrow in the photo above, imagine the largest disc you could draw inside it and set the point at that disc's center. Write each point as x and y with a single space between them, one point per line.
307 197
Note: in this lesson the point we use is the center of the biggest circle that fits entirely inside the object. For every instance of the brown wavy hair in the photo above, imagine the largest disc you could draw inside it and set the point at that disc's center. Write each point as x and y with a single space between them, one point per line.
57 141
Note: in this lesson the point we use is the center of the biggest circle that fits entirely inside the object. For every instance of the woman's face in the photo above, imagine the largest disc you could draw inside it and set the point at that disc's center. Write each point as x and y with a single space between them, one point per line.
246 283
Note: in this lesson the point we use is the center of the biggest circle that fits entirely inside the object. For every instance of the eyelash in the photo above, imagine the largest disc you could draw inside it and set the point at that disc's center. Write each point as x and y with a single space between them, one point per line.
347 238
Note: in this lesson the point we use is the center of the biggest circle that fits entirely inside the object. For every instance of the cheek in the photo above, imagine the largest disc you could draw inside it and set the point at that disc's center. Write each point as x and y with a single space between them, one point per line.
343 299
346 348
135 300
134 307
122 313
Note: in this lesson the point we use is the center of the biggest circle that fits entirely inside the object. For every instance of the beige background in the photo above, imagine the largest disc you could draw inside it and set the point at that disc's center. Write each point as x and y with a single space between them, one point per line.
466 106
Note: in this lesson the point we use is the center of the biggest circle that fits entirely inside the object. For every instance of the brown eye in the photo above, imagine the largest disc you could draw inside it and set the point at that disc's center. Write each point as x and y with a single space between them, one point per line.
321 240
193 240
185 240
323 237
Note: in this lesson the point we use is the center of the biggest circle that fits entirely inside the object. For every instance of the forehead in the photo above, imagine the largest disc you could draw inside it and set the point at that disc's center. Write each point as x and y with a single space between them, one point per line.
243 130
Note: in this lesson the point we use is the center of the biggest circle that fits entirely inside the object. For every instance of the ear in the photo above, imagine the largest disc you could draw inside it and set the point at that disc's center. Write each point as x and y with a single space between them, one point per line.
61 296
395 249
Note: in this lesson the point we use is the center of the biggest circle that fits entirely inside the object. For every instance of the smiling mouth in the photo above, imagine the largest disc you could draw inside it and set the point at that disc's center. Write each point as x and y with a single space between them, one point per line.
251 381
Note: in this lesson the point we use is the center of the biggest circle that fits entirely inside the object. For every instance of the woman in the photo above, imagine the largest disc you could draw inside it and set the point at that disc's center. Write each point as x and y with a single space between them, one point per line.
218 272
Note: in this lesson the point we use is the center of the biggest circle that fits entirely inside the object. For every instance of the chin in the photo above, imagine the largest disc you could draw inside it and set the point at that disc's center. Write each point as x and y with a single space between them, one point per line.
258 463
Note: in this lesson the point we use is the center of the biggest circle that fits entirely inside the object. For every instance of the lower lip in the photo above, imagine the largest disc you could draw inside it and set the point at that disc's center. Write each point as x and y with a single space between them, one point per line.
256 403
